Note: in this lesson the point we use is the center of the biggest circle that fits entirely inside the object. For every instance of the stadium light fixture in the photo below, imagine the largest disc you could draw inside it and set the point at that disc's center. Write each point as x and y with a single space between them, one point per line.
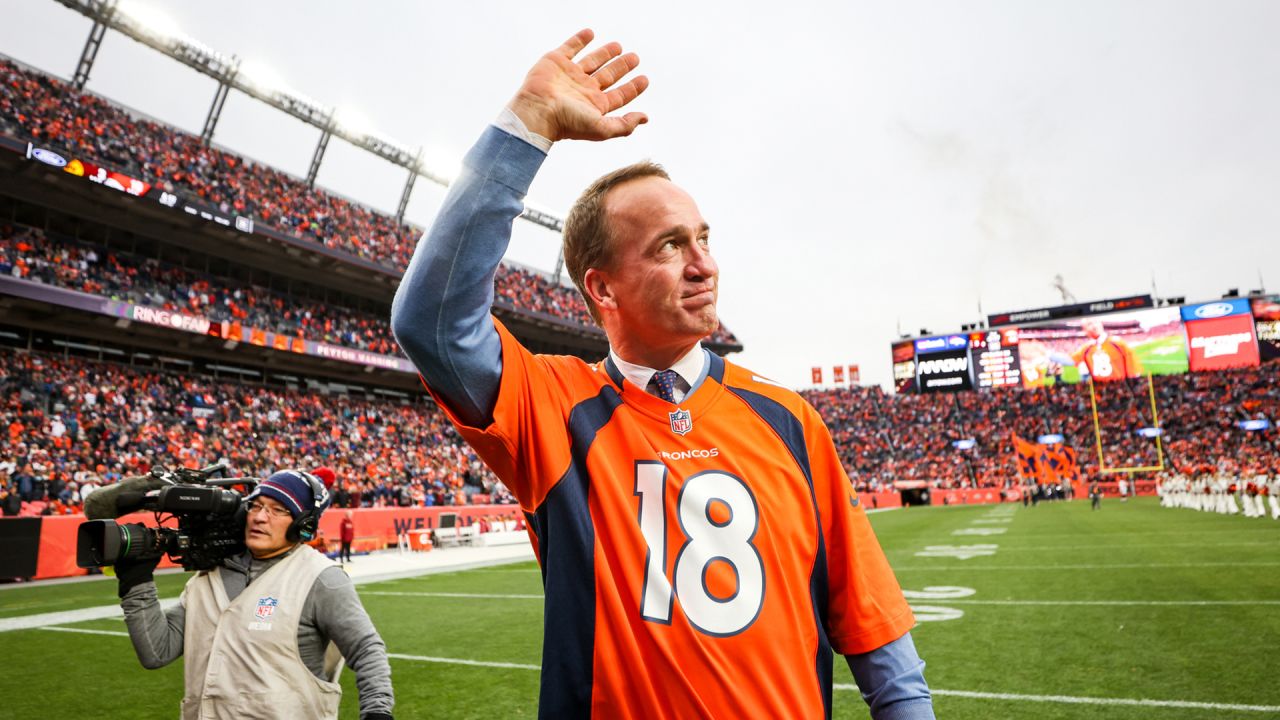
353 121
443 164
261 76
151 19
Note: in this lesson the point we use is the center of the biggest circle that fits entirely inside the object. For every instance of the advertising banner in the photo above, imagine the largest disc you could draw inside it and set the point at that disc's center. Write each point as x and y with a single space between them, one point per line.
855 374
138 188
941 343
1266 321
193 324
1059 312
1106 347
1216 309
1224 342
994 357
837 374
946 371
904 367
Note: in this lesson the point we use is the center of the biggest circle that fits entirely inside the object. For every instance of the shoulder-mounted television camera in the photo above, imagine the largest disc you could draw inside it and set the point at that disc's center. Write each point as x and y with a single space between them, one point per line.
210 513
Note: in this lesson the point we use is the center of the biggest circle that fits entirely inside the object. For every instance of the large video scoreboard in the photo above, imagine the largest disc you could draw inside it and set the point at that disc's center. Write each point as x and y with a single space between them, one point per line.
1106 340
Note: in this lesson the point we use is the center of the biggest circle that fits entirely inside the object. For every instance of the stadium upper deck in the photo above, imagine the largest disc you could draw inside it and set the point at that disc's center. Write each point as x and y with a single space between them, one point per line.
363 249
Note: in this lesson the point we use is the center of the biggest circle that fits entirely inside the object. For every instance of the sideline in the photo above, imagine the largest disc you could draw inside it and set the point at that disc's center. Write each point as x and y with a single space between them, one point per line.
1077 700
377 567
1112 566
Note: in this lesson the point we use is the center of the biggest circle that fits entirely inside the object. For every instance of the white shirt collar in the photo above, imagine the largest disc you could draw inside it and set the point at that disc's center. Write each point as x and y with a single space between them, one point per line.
690 367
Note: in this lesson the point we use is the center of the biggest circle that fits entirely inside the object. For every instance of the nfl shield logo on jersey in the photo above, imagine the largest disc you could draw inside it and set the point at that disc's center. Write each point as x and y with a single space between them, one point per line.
681 422
267 607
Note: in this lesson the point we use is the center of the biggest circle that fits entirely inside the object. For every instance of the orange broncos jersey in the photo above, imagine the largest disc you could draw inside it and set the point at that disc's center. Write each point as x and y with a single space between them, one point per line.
699 560
1109 360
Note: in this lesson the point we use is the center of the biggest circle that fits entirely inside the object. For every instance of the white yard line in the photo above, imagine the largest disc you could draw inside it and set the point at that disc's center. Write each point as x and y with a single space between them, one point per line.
1075 700
1114 602
102 612
459 661
949 601
1012 697
87 631
1127 545
360 575
452 595
1116 566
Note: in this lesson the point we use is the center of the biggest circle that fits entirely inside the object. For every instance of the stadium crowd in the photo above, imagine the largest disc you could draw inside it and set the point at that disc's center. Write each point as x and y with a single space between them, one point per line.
29 254
884 438
51 113
72 425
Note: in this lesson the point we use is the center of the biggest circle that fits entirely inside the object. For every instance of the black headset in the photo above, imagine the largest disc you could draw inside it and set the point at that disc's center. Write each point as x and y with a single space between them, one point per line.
304 527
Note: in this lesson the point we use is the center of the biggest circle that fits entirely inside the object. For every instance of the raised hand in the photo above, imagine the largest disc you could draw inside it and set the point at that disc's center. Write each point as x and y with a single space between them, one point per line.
563 99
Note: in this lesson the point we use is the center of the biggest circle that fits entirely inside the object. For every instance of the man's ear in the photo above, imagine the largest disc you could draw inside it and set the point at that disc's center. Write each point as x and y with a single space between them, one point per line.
599 288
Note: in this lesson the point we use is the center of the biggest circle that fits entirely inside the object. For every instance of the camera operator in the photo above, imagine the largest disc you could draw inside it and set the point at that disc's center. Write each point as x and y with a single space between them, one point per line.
265 633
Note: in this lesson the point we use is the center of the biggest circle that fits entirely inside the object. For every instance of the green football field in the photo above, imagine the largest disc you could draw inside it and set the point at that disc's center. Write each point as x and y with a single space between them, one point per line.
1047 612
1163 356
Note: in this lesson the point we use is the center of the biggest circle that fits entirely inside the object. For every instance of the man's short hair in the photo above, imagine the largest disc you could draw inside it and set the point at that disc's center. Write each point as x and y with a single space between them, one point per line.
586 230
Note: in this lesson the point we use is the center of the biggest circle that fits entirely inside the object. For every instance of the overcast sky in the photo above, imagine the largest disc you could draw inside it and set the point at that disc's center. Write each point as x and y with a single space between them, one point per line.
864 166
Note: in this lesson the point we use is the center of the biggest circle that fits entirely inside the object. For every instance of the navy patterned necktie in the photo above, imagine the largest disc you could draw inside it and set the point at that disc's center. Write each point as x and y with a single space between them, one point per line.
664 382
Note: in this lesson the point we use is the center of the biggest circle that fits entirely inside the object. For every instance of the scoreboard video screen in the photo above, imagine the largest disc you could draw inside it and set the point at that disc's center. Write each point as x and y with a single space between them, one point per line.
1266 321
904 367
993 355
1106 340
1106 347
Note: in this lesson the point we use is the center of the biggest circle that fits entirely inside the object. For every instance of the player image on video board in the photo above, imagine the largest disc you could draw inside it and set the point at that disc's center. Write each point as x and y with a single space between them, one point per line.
1104 347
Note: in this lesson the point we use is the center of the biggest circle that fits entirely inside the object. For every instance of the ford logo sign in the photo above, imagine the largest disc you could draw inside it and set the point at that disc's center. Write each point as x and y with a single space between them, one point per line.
48 157
1213 310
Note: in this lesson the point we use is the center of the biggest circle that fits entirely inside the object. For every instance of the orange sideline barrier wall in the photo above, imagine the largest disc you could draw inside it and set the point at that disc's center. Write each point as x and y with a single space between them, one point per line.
973 496
382 526
388 522
57 548
882 499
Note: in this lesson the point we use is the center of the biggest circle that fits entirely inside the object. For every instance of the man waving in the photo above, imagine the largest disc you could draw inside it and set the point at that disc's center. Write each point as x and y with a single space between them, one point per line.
702 550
